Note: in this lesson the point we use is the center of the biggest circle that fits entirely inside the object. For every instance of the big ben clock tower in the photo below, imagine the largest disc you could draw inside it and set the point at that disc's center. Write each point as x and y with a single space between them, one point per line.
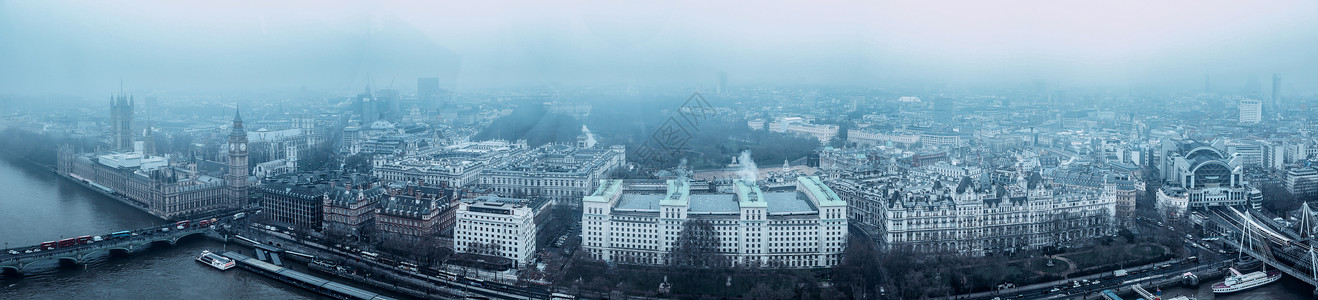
237 178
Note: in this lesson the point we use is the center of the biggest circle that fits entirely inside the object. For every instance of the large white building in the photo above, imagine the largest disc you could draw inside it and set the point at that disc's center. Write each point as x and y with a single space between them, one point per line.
799 126
562 173
872 137
1199 175
1251 111
1302 181
457 165
495 228
640 222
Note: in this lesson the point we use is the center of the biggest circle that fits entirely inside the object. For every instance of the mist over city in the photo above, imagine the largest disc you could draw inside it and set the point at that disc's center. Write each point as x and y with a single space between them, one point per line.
658 150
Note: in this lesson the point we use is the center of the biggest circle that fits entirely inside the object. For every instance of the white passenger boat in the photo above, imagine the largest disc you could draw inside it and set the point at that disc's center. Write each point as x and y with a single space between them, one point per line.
1236 281
215 260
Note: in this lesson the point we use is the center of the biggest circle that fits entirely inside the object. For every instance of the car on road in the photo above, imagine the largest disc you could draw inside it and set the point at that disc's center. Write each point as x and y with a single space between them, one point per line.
13 252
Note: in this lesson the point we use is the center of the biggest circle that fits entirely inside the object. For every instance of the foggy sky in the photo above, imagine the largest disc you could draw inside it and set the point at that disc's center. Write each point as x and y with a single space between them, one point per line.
87 47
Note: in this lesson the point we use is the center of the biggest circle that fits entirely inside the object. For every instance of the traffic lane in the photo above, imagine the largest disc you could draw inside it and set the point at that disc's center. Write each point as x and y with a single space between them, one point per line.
1145 275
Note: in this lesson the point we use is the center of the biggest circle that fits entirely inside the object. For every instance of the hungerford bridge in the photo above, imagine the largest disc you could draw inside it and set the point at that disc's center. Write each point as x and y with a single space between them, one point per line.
1291 252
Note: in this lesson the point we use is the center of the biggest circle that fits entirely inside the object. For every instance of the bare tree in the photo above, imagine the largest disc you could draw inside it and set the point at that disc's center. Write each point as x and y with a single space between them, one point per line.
697 246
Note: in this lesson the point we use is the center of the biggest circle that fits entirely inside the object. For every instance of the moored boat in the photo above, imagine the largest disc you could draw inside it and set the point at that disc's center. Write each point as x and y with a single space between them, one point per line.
215 260
1236 281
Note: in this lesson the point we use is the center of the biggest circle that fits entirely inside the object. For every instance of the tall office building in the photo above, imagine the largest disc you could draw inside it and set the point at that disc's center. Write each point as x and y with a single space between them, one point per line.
722 82
367 107
388 103
1276 92
427 91
1251 111
121 122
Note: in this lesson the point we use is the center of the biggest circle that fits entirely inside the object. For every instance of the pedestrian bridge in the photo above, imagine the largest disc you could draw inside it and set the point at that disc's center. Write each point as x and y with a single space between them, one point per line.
1254 234
140 240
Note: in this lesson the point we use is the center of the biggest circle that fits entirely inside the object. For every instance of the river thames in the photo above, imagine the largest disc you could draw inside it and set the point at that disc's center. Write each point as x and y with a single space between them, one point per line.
40 206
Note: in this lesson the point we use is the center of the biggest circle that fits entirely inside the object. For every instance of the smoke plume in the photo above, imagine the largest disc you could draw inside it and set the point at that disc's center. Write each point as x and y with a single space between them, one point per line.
748 170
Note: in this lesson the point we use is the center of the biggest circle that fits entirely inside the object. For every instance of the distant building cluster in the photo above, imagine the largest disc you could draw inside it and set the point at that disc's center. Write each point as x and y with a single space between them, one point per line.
153 184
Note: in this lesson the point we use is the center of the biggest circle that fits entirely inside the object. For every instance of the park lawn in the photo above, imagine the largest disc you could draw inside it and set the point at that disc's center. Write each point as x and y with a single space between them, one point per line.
1088 259
1143 251
1041 264
1085 260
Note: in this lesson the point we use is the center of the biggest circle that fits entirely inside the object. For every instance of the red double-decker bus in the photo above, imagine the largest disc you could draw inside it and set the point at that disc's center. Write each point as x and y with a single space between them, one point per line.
69 242
84 239
49 245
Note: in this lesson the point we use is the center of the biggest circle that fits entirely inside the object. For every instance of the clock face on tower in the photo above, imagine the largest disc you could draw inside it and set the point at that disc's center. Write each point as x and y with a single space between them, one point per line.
242 147
233 147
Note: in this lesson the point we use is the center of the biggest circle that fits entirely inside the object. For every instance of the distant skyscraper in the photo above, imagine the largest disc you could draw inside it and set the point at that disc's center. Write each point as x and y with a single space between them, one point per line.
722 82
427 91
367 107
1251 111
121 122
389 103
1276 91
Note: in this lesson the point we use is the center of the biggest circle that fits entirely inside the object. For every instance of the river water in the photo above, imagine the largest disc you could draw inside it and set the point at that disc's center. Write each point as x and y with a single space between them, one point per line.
38 206
1286 288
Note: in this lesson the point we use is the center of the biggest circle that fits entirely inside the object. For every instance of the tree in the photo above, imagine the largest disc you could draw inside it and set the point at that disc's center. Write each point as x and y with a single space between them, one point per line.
359 163
1277 199
764 291
697 246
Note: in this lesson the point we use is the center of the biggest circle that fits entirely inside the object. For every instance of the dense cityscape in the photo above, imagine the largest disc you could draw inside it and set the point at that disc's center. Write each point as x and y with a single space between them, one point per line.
410 185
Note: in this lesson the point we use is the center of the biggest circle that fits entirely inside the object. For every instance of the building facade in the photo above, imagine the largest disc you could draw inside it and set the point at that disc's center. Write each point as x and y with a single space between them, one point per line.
350 210
1199 175
628 222
293 201
1302 181
1251 111
561 173
455 166
975 220
496 229
412 213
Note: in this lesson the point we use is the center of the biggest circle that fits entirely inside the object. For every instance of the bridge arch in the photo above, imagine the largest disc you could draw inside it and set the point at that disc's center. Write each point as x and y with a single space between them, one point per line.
109 251
73 259
180 237
8 270
125 250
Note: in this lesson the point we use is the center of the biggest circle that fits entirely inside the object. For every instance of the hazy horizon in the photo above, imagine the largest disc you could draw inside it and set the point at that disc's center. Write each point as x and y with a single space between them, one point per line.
85 48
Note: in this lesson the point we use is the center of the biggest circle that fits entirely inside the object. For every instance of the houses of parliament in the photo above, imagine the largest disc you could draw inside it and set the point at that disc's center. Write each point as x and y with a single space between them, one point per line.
133 173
